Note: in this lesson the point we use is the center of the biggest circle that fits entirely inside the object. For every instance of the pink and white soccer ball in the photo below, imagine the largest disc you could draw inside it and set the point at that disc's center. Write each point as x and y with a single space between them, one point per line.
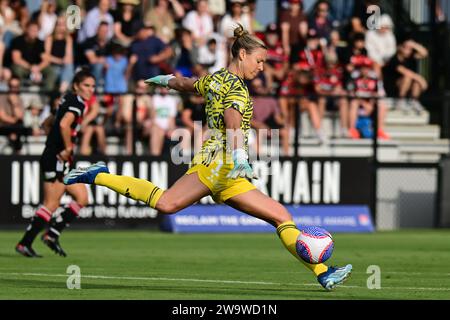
314 244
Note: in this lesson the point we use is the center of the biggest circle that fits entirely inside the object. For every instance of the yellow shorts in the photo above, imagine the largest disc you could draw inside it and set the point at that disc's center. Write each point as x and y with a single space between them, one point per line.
214 176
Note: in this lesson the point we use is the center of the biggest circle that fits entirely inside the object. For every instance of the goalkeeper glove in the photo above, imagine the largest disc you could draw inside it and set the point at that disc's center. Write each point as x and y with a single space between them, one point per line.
241 167
161 80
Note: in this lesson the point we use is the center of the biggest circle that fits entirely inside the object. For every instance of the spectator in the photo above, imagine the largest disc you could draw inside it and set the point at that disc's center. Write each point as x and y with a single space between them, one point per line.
256 25
277 62
96 16
148 53
126 22
235 16
162 19
321 21
329 85
208 56
363 88
217 9
298 91
31 118
5 73
46 18
312 56
29 60
200 23
21 12
116 65
9 26
380 43
193 118
185 52
162 119
96 49
125 113
59 49
11 113
294 28
401 77
267 115
94 123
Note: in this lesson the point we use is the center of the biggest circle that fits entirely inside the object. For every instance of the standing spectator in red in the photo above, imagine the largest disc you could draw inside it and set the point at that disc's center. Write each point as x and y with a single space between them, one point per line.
29 60
267 115
200 23
329 85
277 62
294 28
364 88
298 91
312 56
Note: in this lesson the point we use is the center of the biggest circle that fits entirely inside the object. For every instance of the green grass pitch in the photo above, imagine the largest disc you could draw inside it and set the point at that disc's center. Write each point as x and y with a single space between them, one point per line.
153 265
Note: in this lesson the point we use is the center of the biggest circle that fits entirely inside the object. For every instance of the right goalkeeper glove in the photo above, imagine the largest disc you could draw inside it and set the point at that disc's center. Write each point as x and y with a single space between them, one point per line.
161 80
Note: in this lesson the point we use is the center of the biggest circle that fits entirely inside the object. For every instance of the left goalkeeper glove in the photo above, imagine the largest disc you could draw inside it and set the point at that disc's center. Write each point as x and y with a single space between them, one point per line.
241 167
161 80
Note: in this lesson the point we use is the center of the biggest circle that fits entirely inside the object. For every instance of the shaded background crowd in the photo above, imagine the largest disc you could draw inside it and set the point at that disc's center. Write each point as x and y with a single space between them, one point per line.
323 57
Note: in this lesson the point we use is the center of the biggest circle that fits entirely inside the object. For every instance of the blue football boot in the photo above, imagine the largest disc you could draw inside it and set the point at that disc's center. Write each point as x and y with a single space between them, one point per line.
85 175
334 276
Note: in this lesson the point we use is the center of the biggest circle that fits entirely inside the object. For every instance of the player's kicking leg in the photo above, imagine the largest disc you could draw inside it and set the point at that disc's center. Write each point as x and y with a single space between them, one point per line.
185 191
259 205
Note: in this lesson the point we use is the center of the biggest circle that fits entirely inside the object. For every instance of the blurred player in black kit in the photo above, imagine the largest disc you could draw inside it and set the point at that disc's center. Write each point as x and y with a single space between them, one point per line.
55 162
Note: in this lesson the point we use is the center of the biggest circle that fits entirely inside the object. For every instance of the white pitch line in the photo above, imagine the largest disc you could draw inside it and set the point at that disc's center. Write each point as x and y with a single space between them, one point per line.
211 281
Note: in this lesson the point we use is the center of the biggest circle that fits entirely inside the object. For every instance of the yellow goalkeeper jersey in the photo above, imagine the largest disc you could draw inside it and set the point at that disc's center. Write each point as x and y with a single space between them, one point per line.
222 90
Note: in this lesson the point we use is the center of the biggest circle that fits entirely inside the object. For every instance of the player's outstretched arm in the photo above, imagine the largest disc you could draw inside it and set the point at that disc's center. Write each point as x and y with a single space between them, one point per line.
181 84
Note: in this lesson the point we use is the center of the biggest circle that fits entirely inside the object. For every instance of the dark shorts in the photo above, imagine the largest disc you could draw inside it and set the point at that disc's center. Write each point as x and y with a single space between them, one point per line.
53 169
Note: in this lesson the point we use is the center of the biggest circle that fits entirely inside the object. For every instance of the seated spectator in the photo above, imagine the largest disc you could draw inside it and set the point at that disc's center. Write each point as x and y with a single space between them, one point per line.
94 17
234 17
193 118
46 18
199 22
329 85
363 88
321 21
267 115
298 91
277 62
126 22
116 66
21 12
31 118
380 43
163 19
59 49
9 25
185 53
125 113
5 73
29 61
256 25
401 77
162 119
96 49
11 113
148 53
294 29
208 55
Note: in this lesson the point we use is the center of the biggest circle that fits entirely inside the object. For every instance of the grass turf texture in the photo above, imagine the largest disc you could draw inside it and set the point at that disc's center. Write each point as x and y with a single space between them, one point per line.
153 265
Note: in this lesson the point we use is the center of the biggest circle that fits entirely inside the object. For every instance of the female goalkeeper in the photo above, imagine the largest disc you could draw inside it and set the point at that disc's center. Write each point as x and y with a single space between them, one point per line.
221 168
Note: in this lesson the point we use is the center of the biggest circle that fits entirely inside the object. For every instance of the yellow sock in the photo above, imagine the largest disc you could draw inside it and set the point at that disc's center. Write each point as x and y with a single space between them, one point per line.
288 234
137 189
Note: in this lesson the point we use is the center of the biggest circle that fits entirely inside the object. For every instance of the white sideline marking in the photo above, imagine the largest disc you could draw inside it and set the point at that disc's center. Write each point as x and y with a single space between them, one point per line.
210 281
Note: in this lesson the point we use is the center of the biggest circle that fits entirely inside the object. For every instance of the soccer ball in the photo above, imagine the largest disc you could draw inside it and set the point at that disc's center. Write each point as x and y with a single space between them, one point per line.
314 244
